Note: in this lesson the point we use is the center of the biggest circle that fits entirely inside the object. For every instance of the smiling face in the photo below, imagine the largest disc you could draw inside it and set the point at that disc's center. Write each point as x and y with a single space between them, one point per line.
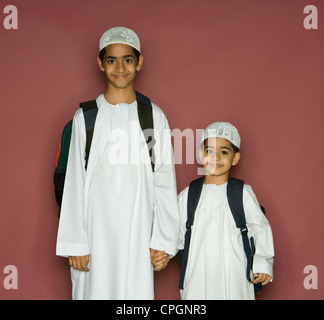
120 65
218 157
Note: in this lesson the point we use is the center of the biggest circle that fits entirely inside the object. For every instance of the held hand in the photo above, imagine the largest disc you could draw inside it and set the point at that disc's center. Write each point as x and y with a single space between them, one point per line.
159 259
261 277
79 262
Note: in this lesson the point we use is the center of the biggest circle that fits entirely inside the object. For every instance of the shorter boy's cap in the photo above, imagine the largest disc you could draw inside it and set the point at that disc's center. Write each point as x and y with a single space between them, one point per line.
120 35
222 130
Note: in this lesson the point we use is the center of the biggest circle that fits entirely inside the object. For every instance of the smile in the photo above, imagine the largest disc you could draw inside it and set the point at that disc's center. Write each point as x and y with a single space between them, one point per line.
215 167
120 76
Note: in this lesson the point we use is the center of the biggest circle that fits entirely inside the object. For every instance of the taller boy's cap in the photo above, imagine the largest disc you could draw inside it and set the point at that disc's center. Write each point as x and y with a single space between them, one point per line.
222 130
120 35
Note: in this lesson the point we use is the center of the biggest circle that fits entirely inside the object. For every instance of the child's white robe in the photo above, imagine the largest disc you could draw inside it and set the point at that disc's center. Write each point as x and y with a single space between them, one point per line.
118 209
216 266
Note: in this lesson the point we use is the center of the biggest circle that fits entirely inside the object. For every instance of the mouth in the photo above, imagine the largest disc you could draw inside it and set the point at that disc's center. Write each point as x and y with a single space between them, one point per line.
120 76
214 166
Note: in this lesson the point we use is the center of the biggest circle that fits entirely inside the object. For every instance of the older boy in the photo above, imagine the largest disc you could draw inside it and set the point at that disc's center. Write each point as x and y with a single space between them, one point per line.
216 267
113 212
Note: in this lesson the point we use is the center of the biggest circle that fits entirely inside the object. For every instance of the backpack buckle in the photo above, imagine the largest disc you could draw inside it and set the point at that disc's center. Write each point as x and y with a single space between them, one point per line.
244 229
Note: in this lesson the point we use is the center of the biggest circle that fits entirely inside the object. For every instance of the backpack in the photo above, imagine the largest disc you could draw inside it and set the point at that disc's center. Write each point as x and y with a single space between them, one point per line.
90 110
235 200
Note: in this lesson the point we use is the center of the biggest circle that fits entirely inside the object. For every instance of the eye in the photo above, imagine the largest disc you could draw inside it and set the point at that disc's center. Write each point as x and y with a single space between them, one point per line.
110 61
128 61
224 152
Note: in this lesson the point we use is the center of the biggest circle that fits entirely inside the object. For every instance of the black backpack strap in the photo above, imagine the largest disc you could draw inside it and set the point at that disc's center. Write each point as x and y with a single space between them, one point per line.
90 110
194 193
235 201
145 116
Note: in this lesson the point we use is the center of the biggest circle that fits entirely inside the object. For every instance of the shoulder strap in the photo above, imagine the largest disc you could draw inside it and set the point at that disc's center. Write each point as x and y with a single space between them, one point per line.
90 110
145 116
235 201
194 193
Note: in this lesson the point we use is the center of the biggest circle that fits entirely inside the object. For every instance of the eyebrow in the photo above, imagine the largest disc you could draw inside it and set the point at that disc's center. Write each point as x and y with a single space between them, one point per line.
222 147
123 57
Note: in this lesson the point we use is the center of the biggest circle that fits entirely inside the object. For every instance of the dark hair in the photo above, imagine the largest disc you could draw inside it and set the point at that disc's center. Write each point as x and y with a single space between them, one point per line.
235 148
103 52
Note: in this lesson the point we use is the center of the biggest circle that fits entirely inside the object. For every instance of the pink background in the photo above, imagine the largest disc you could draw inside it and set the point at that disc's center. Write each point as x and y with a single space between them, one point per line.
248 62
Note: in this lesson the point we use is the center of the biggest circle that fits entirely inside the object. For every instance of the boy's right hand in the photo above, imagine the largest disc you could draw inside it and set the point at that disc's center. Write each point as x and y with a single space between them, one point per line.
79 262
261 277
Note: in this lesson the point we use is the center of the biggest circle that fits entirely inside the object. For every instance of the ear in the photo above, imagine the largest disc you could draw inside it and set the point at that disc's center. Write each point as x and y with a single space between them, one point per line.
236 158
100 64
140 63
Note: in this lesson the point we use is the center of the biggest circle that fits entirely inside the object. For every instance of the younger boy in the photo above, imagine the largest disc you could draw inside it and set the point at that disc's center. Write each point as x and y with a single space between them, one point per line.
216 267
117 212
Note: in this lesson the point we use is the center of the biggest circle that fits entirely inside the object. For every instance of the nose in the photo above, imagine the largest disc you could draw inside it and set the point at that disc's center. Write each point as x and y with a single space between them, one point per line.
120 66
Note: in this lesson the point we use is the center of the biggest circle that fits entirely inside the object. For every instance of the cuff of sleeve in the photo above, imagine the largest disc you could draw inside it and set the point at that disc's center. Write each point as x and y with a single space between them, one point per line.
72 249
163 245
263 268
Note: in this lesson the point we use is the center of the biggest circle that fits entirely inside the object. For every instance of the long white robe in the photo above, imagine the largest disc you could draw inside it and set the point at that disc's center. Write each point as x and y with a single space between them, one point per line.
118 209
216 266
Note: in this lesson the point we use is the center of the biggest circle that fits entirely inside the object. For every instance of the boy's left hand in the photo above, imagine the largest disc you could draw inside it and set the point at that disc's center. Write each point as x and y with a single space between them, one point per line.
159 259
261 277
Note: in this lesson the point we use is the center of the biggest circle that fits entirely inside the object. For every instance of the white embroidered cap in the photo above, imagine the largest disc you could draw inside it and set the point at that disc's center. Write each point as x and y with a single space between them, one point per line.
222 130
120 35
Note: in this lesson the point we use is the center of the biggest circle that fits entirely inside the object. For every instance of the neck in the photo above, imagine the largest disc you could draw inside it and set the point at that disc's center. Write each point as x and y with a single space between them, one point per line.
117 95
218 180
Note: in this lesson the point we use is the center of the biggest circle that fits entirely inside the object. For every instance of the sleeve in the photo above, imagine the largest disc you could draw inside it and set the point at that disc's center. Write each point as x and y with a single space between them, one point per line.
72 238
166 215
259 228
182 204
